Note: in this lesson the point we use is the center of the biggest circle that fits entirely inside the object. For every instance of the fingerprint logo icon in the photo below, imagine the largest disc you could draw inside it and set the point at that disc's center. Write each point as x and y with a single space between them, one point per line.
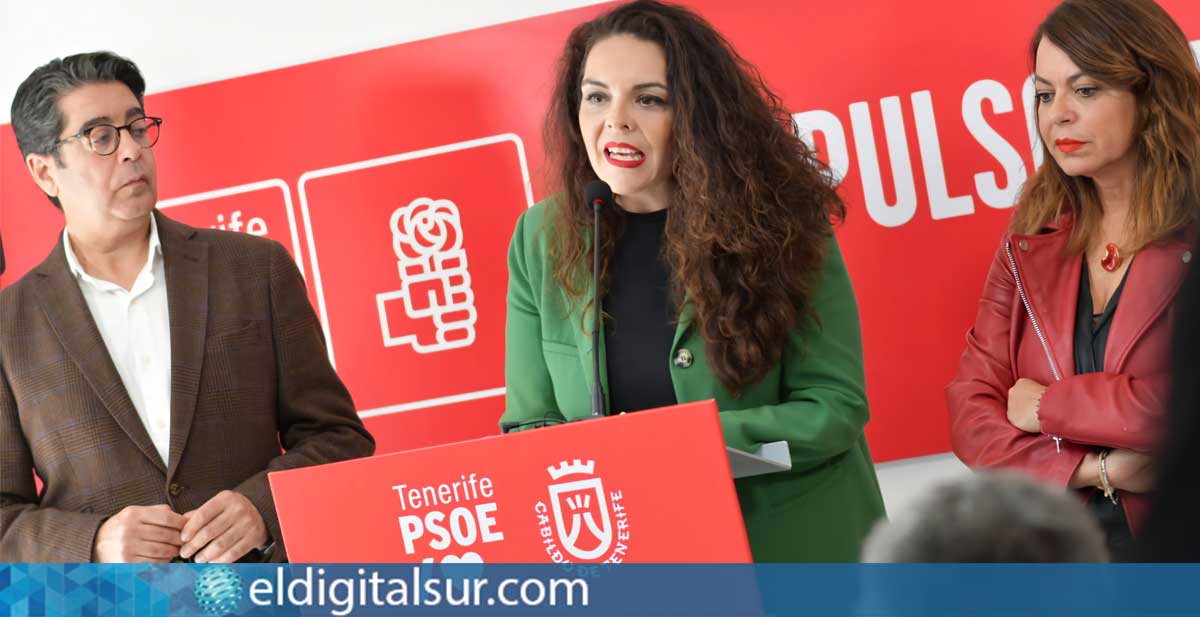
218 591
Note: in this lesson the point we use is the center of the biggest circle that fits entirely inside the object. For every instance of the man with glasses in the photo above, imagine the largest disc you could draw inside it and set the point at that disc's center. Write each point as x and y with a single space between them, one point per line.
149 371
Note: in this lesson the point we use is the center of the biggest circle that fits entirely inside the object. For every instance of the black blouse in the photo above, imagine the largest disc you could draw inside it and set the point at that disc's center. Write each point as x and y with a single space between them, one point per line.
640 317
1091 336
1091 328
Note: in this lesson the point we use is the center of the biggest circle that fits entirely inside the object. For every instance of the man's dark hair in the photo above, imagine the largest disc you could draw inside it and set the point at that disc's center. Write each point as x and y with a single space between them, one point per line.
36 118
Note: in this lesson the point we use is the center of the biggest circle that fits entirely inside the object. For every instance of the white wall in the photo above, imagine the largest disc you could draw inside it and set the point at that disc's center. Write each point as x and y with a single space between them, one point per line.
189 42
902 481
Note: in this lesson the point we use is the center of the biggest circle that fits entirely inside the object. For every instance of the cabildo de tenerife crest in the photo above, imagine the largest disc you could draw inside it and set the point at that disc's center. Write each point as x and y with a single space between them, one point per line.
582 520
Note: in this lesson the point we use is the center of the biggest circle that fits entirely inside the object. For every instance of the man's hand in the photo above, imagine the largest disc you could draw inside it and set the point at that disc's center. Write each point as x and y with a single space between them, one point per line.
1023 400
139 533
222 530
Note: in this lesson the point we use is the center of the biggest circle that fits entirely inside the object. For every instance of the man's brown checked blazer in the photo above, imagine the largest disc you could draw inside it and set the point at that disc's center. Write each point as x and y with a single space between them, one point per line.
249 373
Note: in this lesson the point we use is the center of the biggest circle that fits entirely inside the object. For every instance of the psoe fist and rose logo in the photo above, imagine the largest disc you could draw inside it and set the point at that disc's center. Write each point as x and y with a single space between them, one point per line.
434 281
584 521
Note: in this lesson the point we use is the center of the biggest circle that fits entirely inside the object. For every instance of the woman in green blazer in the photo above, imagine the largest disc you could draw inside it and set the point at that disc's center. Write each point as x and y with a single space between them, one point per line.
720 274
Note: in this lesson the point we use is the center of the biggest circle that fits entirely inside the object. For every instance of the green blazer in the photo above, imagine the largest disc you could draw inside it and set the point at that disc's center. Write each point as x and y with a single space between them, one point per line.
814 398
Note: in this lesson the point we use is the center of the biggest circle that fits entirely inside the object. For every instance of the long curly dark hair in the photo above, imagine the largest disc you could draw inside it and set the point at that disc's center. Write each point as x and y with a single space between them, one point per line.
747 226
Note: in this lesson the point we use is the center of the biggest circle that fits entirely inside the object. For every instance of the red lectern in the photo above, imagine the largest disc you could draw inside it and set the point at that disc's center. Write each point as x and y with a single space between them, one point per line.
652 486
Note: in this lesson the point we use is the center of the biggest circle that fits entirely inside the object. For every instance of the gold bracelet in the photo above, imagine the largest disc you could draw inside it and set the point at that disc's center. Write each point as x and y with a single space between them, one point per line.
1107 486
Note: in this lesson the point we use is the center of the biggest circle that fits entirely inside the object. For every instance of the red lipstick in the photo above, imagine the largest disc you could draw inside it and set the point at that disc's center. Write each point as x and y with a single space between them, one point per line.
623 155
1068 146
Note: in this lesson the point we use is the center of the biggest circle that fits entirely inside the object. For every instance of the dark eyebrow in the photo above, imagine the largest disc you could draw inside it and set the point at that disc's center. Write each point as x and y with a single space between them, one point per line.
93 122
130 114
1070 79
649 84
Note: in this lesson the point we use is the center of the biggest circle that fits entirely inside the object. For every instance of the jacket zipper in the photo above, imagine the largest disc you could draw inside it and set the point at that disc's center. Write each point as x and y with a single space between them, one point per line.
1037 329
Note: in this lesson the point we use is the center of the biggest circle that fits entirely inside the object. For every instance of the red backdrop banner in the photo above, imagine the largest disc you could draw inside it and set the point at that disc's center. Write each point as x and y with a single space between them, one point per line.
395 177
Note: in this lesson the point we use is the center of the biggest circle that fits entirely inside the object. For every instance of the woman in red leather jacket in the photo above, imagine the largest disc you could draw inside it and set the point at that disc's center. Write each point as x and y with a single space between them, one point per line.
1065 373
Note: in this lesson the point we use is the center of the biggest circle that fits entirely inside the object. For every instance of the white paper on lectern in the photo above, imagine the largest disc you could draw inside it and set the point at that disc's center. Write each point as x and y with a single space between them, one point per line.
769 458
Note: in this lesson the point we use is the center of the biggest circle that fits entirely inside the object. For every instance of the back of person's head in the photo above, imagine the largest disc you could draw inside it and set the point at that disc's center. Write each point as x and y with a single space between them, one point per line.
987 518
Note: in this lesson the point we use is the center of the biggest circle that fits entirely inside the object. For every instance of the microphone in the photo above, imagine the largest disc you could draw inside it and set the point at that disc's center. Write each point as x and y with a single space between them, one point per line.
1 257
596 195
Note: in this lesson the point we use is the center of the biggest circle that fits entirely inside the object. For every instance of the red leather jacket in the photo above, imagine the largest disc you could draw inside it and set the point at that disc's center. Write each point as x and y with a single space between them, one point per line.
1121 407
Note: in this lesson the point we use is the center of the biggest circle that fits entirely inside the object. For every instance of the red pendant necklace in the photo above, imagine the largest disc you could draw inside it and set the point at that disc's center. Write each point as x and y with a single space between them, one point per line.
1112 258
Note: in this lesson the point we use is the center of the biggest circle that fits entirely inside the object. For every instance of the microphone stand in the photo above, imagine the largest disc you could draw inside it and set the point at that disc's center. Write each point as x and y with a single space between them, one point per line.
597 390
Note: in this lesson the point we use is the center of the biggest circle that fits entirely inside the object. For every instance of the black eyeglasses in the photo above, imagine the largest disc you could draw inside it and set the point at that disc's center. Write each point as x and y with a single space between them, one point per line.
103 139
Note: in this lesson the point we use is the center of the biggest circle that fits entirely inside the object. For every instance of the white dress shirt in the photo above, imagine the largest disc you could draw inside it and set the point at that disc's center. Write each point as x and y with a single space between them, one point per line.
136 330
